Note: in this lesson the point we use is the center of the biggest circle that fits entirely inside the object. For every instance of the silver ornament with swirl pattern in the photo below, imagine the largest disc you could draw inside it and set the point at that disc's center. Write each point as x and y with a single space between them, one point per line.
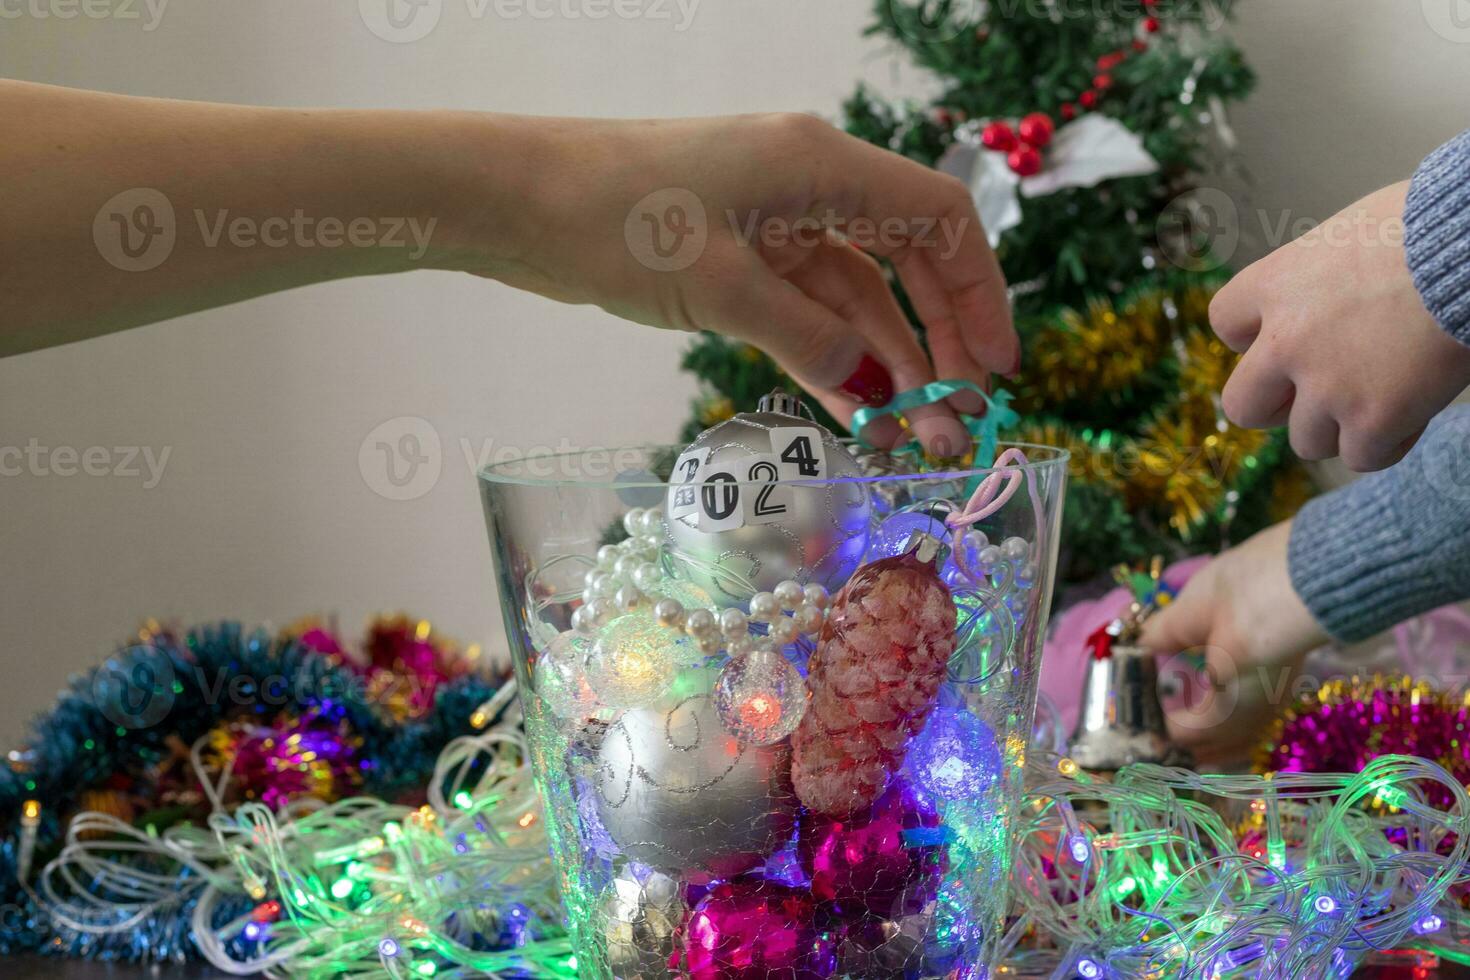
679 794
820 537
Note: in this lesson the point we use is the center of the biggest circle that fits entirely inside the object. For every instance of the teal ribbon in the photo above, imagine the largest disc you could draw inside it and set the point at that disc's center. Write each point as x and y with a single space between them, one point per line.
985 430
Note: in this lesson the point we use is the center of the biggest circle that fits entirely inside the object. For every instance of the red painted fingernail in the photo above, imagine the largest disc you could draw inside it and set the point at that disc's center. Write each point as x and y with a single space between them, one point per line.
870 384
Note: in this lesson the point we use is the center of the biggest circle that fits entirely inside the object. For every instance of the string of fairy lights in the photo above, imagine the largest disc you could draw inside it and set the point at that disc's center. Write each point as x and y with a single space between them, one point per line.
1155 872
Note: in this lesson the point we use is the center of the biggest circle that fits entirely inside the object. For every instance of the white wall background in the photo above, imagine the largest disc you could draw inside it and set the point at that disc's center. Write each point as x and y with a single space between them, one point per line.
263 513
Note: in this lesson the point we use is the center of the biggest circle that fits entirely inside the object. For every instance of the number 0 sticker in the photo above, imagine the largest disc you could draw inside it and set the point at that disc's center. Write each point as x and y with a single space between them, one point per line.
799 452
719 502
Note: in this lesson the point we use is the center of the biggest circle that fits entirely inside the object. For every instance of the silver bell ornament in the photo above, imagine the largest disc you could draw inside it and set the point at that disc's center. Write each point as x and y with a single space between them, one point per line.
738 518
641 913
678 793
1122 719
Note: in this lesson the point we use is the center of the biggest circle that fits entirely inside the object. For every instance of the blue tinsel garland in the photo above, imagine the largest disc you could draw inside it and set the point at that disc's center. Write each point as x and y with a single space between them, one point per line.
79 744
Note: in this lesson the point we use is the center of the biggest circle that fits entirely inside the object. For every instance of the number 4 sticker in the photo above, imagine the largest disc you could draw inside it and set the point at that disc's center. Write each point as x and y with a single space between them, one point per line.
800 452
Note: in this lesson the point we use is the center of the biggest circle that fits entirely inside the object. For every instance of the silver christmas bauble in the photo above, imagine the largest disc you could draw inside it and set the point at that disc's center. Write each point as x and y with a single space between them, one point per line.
740 519
925 936
678 793
887 492
560 677
641 914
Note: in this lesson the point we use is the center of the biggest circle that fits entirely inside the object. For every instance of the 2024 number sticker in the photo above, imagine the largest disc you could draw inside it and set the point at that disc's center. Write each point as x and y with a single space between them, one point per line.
750 490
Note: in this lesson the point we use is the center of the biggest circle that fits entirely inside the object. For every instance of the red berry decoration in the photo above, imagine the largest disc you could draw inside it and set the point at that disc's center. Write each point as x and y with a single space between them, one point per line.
1088 99
1140 45
1036 129
1103 81
1025 161
1111 60
998 136
1069 111
1151 24
874 677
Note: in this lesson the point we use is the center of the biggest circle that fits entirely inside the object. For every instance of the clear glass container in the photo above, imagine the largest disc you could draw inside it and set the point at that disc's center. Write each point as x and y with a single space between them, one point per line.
746 778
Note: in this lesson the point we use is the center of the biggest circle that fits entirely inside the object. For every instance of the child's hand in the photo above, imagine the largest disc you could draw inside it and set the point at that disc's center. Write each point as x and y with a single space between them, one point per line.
1337 340
1242 615
738 210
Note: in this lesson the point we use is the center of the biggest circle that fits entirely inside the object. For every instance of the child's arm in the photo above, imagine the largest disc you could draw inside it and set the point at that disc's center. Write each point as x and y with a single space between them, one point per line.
1352 563
1393 544
1339 343
1437 216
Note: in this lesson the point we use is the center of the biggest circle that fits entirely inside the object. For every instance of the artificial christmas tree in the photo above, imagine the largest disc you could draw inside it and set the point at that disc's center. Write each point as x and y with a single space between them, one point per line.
1083 131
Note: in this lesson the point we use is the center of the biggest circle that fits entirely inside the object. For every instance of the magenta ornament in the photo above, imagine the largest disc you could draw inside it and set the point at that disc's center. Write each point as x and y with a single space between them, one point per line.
754 929
289 760
868 861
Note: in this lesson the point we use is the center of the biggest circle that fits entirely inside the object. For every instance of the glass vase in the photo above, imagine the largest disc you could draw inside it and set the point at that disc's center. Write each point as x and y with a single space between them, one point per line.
778 710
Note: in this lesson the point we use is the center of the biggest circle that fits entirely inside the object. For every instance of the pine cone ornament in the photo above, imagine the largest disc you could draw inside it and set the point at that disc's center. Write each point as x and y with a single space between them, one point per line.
874 679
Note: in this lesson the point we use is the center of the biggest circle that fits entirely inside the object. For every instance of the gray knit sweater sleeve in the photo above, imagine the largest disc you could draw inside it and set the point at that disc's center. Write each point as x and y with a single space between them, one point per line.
1437 234
1393 544
1397 543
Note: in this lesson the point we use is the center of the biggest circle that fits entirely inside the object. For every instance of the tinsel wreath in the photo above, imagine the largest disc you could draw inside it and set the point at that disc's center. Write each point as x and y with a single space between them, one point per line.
1348 722
286 716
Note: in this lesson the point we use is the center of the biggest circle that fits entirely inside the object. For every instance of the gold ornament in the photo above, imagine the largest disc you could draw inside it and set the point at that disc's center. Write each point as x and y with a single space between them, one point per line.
713 411
108 801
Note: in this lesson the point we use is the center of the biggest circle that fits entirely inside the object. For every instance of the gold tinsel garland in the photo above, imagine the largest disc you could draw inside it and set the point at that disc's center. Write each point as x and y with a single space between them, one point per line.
1184 461
1095 353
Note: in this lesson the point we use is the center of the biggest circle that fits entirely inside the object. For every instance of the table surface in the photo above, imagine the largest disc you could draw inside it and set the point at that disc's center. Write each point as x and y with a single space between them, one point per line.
43 968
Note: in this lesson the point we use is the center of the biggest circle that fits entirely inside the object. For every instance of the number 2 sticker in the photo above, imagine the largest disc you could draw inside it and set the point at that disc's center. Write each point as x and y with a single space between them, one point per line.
800 452
769 502
684 491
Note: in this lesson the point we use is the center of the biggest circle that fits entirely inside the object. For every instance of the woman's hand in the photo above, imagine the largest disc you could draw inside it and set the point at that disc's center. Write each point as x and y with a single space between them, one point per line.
1337 342
1241 613
767 228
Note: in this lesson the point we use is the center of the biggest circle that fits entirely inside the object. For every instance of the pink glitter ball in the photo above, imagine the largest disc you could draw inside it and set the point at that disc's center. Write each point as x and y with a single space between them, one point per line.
1350 722
292 760
867 862
752 929
875 678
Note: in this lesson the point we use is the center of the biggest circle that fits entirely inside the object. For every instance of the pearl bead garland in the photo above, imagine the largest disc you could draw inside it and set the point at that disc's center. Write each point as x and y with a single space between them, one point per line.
762 694
1000 567
729 629
625 572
